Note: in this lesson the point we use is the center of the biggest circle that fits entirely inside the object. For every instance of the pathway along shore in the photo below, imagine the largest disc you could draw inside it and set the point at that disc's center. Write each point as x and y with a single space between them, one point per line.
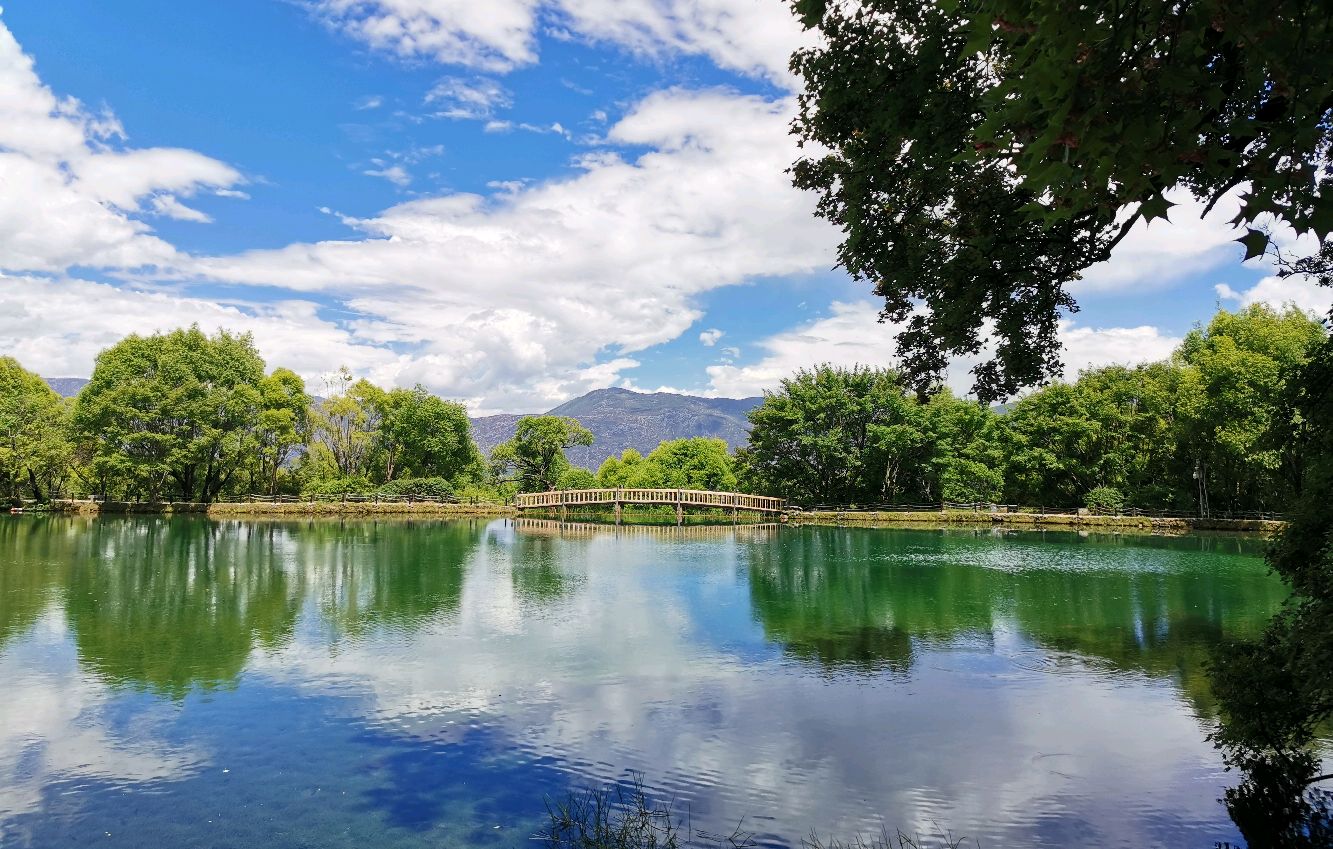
850 518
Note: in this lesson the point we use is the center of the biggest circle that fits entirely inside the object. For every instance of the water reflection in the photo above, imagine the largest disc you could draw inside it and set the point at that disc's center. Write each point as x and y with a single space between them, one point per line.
419 684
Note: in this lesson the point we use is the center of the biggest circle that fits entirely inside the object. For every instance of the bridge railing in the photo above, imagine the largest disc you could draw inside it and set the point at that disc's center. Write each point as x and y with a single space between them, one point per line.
685 497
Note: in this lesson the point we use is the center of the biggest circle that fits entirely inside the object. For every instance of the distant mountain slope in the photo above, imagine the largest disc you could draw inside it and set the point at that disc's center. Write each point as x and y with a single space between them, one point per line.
620 419
66 387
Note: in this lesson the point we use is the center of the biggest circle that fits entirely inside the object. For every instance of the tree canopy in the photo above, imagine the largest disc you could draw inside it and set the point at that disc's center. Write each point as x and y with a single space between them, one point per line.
979 156
34 447
536 454
172 413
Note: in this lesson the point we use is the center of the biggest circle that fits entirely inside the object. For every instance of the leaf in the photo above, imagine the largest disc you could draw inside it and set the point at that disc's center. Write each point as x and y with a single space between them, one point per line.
1255 242
1155 207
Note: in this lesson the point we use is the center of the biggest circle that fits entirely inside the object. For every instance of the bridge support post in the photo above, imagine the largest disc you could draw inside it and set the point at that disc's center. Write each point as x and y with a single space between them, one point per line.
680 509
619 507
563 510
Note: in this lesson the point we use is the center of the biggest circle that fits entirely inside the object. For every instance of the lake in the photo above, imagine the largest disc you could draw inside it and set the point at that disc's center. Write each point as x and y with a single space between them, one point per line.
189 683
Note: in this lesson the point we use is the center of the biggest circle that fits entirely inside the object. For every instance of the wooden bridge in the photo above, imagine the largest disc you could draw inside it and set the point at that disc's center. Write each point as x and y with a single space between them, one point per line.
563 499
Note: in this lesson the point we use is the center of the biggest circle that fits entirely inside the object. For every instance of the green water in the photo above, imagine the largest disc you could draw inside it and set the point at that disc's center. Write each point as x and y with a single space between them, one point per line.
409 684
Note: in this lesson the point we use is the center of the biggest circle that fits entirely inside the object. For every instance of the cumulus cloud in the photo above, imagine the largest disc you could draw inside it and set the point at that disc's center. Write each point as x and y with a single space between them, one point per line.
852 335
709 337
1163 253
57 326
71 194
754 38
1278 292
522 297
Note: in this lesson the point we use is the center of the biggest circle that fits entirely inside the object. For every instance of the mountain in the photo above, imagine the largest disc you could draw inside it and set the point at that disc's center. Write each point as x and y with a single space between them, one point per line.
66 387
620 419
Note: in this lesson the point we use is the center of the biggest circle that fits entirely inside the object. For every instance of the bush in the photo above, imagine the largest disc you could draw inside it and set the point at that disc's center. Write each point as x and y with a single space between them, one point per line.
354 485
1105 499
426 487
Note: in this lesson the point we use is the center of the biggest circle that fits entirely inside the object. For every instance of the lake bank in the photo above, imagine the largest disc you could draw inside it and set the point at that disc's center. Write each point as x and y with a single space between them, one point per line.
295 508
1062 521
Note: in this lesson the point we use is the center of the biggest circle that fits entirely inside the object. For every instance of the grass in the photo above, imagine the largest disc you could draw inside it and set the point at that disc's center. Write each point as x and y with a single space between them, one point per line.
624 817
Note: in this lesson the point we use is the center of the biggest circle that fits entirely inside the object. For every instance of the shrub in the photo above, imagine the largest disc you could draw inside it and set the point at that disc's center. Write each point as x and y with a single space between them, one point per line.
429 487
354 485
1105 499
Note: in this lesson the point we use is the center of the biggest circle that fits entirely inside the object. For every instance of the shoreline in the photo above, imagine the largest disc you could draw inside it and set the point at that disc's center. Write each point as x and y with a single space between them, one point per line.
1029 521
244 509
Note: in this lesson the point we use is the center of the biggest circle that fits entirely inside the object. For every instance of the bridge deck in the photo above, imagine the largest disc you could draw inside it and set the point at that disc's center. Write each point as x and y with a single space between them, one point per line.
670 497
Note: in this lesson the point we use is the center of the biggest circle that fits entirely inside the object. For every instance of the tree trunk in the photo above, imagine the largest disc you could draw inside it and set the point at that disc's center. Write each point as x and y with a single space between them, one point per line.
36 489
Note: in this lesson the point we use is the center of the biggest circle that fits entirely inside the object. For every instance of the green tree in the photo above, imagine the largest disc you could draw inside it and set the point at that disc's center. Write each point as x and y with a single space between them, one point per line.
35 453
965 461
424 436
345 427
979 156
172 413
536 454
814 439
575 477
1231 402
695 463
283 427
627 470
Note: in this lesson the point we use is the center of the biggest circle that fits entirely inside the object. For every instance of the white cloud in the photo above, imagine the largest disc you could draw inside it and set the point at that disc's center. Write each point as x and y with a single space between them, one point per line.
496 35
1278 292
748 36
69 198
395 174
57 327
709 337
1163 253
473 99
517 299
852 335
370 101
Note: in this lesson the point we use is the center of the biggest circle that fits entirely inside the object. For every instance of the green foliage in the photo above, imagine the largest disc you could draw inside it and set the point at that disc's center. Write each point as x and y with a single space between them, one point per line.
282 430
693 463
434 487
576 478
1276 691
345 426
830 435
34 449
847 436
1233 419
172 414
1022 140
352 485
536 454
1105 499
424 435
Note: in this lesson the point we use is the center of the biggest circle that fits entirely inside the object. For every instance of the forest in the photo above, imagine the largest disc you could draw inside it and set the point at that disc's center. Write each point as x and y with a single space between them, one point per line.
185 416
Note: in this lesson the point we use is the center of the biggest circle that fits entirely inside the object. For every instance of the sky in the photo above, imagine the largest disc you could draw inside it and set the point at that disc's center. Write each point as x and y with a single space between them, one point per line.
510 203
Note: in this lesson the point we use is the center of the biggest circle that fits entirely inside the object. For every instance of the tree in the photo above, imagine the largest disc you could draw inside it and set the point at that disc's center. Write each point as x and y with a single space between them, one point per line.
536 454
345 426
1235 371
424 436
695 463
626 471
979 156
283 426
172 412
34 449
1275 691
965 461
814 439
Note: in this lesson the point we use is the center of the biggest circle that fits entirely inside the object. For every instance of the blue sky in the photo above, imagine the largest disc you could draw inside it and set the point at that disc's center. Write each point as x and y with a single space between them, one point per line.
511 202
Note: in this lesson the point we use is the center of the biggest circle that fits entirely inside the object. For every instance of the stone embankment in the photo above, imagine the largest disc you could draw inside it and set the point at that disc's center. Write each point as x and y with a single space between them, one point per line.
936 518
